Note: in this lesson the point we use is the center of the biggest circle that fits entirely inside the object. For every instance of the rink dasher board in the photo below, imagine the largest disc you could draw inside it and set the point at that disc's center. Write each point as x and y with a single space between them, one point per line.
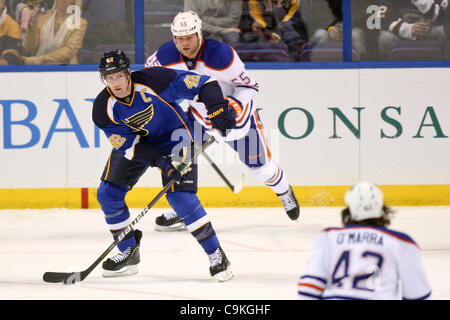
389 126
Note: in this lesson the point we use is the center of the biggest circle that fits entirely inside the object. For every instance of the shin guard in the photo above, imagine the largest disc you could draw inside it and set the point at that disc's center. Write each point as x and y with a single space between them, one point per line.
188 207
112 201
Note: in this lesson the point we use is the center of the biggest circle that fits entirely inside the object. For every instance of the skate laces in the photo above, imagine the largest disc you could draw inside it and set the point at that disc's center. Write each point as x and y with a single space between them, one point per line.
121 256
288 200
170 215
215 258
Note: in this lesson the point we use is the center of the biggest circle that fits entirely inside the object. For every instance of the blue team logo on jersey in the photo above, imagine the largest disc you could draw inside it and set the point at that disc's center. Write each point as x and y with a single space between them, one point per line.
139 120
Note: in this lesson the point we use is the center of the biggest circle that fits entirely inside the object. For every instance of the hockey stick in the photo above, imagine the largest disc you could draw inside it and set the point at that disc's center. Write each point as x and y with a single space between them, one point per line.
235 188
73 277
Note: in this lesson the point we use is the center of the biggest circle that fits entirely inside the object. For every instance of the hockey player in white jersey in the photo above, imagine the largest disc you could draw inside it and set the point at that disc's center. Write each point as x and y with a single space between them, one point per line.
364 259
190 51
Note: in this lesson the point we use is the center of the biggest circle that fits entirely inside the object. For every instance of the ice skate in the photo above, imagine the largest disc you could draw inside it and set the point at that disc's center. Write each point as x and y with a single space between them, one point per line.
124 263
169 221
220 266
290 204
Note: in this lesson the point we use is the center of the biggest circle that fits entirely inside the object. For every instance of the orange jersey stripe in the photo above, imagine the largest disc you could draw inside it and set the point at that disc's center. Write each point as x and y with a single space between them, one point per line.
200 116
244 114
276 176
172 64
263 138
302 284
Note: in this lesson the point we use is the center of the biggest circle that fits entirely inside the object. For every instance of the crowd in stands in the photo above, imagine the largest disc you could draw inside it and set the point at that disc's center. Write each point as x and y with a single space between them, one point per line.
70 31
41 32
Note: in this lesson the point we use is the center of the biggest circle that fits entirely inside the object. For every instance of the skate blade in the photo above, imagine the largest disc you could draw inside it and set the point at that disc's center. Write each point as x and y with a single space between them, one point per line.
294 214
125 271
175 227
223 276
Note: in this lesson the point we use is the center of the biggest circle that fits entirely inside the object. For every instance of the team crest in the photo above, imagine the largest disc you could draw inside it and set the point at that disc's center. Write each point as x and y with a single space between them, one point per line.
139 120
191 81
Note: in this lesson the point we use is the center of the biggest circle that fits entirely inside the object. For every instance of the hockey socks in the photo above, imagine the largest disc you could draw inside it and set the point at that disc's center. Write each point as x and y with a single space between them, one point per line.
188 207
112 201
127 242
272 176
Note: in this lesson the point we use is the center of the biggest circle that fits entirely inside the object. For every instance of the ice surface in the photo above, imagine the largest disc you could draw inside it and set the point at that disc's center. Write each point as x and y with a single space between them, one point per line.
268 253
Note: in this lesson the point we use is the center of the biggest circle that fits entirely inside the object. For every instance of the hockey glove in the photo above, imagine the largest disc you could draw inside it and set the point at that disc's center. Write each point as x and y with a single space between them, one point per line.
221 117
165 164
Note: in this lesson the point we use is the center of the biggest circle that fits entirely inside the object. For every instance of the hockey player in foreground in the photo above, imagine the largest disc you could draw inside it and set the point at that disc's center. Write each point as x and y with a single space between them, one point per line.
138 114
190 51
363 259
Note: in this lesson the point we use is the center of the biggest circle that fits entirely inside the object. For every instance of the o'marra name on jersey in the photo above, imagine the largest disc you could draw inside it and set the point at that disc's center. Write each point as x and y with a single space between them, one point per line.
364 262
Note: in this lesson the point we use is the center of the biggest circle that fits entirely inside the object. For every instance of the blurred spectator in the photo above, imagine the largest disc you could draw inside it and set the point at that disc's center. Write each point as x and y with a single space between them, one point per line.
109 22
413 20
274 21
23 10
10 38
220 18
334 30
316 14
56 36
11 5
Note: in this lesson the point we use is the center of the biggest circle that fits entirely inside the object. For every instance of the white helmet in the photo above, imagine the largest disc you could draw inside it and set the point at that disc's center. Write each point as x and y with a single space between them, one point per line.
186 23
365 201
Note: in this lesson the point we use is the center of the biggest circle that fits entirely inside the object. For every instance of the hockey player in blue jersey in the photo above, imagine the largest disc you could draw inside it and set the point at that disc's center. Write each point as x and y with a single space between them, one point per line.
189 51
138 114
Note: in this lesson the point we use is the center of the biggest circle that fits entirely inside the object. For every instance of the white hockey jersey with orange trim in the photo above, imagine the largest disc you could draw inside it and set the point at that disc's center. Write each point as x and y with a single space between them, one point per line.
364 262
220 61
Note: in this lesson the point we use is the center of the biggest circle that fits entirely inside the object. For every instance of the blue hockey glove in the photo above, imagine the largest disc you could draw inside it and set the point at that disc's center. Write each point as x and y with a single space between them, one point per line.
221 117
165 164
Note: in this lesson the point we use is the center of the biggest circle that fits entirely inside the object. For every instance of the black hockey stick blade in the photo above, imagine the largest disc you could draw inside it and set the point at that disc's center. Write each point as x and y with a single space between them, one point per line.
64 277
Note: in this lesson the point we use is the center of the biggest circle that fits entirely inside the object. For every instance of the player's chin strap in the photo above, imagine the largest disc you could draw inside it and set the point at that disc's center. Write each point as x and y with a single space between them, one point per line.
78 276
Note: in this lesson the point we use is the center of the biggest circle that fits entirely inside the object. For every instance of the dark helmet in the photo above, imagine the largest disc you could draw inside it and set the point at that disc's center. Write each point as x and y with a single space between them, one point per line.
114 61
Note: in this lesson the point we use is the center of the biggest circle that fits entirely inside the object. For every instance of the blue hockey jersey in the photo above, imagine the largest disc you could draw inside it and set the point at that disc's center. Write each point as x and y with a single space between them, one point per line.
151 123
